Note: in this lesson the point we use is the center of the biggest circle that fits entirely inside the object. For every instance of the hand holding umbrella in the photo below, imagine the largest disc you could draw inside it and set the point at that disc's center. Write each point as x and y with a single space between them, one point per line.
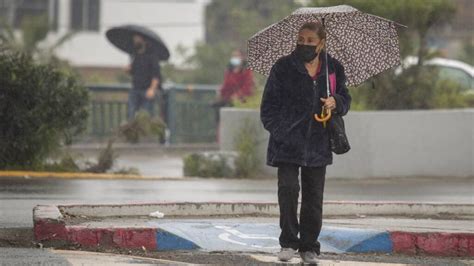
329 104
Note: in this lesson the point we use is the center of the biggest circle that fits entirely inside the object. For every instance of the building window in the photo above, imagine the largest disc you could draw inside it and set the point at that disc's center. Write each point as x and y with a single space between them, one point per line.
14 12
85 15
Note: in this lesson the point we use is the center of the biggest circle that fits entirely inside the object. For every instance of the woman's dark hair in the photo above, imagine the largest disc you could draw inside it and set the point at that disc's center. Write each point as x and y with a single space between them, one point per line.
316 27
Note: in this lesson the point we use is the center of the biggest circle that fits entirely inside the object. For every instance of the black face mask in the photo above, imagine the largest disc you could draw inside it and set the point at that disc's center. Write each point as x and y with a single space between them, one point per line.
138 46
305 53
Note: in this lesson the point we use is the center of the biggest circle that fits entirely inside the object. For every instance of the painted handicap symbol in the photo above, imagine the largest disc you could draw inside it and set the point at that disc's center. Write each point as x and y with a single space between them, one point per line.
230 234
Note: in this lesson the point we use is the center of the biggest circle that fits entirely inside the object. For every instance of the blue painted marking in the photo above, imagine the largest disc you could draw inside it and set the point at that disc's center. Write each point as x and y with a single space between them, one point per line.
378 243
222 235
356 240
168 241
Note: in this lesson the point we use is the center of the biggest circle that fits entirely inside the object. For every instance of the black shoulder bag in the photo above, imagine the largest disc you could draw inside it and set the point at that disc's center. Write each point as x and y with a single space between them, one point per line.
337 132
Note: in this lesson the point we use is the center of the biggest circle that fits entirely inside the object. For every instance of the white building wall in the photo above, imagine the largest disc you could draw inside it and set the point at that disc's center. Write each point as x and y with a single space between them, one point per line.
179 22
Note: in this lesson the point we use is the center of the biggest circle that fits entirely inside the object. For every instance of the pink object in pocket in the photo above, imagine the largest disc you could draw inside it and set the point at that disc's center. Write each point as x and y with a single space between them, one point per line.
332 83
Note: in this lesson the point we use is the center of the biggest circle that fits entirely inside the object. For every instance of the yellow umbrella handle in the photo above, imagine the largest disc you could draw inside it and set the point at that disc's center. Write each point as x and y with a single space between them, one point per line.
325 116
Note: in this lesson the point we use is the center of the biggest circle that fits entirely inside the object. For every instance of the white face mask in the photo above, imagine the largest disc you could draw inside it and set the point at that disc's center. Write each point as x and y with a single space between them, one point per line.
235 61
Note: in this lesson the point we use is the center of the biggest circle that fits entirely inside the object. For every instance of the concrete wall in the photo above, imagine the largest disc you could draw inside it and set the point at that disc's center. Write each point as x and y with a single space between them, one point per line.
386 143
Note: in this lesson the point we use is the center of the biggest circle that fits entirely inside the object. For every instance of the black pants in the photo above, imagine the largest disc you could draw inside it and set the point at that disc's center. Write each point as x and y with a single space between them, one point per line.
311 213
136 100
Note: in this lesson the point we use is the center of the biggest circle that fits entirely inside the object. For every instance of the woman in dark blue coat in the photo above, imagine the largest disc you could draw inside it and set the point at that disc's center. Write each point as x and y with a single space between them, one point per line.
294 92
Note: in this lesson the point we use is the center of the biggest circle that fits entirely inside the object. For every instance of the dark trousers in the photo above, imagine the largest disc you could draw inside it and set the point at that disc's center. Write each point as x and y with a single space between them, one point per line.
311 213
137 100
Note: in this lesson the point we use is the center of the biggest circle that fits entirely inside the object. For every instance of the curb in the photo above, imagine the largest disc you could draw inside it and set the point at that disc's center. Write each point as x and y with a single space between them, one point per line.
50 227
124 146
331 208
437 243
72 175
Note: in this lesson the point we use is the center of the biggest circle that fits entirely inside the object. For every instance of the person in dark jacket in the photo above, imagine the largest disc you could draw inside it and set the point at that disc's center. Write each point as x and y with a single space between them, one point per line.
146 77
294 92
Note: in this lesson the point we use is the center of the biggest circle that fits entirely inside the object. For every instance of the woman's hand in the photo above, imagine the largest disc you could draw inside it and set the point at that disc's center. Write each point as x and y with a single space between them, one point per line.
150 93
329 103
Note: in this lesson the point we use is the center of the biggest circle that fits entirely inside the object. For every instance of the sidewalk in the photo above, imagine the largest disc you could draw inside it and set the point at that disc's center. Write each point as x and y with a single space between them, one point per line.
151 159
26 256
253 227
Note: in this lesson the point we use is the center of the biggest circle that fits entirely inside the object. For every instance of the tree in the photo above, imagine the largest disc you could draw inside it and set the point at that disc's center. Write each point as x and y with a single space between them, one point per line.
413 88
229 24
419 16
34 30
467 53
236 21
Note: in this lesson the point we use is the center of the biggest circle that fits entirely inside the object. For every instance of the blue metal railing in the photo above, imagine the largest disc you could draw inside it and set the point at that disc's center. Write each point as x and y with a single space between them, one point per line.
188 112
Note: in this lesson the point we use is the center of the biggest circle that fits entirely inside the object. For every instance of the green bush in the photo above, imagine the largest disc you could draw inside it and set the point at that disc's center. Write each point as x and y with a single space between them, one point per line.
208 165
252 102
104 163
448 94
142 126
247 163
105 160
40 107
65 164
415 88
128 171
242 163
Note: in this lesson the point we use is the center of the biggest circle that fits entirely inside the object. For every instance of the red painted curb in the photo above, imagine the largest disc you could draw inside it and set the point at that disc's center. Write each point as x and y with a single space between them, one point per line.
113 237
45 230
436 244
48 223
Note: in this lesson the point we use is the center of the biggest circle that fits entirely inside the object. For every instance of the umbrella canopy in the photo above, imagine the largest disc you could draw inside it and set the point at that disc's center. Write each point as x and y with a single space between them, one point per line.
364 44
122 38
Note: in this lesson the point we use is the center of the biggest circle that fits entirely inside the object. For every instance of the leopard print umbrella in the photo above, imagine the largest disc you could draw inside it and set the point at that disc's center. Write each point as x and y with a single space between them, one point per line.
364 44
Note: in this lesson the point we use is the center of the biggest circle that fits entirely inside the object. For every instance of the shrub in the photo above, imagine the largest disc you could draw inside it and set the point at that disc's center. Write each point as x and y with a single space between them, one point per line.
245 143
415 88
208 164
65 164
105 160
142 126
252 102
128 171
448 94
242 163
40 107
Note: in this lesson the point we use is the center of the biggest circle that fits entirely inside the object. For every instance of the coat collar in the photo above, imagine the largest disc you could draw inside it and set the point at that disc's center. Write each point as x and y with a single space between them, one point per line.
302 69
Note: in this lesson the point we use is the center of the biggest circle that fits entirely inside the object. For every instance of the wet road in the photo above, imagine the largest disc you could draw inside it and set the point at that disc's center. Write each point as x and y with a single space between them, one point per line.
19 196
